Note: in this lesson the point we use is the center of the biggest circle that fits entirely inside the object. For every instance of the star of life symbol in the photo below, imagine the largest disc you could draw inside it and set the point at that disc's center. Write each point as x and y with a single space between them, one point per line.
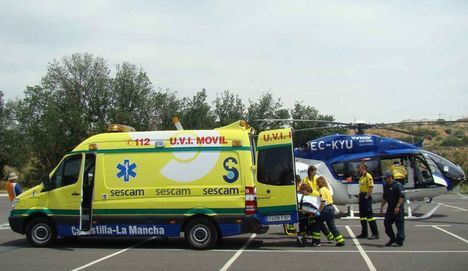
126 170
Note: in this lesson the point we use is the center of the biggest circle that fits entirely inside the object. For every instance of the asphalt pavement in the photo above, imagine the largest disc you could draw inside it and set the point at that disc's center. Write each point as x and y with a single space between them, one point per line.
437 243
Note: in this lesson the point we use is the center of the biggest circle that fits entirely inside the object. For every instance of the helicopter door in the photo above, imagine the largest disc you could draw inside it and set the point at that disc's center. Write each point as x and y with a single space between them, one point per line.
422 173
276 190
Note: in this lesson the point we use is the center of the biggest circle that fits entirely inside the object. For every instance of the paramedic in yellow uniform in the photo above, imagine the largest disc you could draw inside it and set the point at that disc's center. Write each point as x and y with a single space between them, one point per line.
366 186
398 172
311 179
327 213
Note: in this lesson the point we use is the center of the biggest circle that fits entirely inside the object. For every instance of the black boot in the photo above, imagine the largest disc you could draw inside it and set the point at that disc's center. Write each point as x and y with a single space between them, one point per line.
374 229
363 230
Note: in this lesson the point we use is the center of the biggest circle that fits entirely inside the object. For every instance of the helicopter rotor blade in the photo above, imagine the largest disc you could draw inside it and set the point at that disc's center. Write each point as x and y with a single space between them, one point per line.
433 122
303 120
318 128
398 131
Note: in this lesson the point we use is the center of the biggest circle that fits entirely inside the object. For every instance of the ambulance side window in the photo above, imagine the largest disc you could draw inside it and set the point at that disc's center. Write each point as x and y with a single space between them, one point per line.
275 166
68 172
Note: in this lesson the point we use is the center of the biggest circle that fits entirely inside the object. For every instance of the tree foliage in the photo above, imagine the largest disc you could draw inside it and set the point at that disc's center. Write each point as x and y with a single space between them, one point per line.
266 107
3 160
228 108
131 97
78 97
302 134
196 113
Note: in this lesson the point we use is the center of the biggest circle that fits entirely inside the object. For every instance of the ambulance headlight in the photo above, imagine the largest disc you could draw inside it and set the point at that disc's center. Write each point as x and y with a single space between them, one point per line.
15 202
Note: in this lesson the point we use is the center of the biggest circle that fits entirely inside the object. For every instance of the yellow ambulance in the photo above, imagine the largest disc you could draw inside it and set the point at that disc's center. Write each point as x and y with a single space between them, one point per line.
202 184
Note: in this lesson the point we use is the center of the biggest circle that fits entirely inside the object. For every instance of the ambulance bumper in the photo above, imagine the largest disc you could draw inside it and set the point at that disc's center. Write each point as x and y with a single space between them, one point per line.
16 223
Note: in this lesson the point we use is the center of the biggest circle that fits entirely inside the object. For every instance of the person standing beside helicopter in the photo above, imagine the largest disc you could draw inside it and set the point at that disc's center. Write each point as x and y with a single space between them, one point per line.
366 186
393 195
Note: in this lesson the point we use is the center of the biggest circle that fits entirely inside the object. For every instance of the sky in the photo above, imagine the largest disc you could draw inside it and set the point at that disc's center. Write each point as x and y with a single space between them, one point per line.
378 61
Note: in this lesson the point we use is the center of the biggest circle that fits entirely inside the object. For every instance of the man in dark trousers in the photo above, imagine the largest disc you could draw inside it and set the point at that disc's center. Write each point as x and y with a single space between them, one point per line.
394 196
366 187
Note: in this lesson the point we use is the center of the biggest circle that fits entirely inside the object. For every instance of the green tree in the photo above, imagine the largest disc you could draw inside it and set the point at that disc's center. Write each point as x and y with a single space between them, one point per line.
266 107
317 129
3 160
14 139
72 103
228 108
196 112
80 86
131 97
46 132
163 105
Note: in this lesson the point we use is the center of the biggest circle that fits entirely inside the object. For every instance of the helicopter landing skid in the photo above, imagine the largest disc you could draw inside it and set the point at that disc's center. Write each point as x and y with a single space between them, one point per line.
351 215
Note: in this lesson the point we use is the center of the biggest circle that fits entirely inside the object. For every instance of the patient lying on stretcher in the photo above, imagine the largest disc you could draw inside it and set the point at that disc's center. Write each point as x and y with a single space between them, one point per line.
308 210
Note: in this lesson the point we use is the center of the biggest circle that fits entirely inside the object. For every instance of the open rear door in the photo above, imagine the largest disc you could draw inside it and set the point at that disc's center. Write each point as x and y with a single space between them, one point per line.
276 191
87 194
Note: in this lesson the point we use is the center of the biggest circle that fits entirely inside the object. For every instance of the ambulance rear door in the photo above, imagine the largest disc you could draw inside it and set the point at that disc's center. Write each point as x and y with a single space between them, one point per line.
276 191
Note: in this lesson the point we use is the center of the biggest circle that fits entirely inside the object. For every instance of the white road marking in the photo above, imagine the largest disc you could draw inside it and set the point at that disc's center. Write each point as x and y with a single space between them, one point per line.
461 196
3 195
418 251
454 235
454 207
366 258
354 251
112 255
298 251
5 226
433 225
238 253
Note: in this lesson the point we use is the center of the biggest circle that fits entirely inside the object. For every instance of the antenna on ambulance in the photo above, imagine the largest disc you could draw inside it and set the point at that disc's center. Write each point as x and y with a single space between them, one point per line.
177 123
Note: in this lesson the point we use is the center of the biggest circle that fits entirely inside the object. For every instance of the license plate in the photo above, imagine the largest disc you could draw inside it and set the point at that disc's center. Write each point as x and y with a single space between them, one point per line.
276 218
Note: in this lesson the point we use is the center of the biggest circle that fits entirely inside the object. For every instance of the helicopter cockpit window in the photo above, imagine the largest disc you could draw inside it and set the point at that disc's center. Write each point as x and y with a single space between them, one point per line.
434 168
447 168
339 169
423 173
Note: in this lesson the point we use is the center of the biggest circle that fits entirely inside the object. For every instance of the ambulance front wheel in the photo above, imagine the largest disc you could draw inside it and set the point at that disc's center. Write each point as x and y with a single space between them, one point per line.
40 232
201 233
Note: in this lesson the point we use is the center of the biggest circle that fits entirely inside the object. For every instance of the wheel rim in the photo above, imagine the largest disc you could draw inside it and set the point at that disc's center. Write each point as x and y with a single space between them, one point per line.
41 233
200 234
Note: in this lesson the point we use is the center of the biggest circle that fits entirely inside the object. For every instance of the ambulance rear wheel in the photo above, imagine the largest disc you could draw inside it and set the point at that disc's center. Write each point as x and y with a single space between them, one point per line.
201 233
40 232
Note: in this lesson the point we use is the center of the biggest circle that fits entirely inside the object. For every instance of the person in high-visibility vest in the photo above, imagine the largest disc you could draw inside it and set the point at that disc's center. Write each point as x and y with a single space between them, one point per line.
398 172
327 213
366 186
12 187
311 179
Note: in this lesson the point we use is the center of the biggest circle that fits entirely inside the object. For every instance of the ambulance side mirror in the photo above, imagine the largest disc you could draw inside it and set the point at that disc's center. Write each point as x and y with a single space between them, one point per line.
48 184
